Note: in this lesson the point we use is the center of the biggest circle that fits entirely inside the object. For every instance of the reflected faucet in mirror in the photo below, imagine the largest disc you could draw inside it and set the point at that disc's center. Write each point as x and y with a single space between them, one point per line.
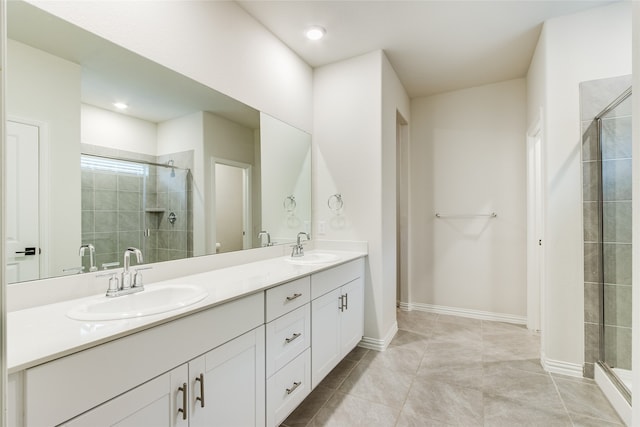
265 233
127 281
92 255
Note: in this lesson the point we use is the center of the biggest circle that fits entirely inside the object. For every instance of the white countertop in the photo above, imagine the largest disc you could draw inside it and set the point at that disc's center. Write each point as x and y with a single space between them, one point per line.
41 334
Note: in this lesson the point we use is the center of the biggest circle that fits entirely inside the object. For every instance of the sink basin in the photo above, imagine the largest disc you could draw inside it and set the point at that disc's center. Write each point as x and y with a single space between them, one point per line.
313 258
153 300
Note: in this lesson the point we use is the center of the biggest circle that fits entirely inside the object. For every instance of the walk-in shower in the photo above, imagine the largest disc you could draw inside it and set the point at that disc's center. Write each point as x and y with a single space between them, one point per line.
607 180
142 204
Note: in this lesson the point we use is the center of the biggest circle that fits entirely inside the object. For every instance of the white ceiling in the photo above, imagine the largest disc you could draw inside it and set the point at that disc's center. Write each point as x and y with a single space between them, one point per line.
434 46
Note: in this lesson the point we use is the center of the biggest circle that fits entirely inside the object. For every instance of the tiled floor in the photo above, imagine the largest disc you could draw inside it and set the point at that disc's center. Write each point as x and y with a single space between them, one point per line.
452 371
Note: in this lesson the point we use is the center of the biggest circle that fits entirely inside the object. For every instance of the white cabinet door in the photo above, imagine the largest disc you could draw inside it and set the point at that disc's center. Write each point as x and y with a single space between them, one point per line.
325 335
352 317
233 392
152 404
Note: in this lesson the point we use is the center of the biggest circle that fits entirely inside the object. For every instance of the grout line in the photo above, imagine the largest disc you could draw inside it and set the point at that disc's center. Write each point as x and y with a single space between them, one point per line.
561 399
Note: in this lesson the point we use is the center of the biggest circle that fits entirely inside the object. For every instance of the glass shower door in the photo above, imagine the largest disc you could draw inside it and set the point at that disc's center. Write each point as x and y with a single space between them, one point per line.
615 146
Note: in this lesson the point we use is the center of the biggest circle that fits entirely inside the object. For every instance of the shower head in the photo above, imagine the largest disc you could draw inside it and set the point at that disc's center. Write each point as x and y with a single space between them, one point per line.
173 170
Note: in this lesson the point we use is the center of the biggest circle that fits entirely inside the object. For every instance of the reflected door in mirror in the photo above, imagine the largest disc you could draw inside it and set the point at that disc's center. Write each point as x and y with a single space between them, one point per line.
22 238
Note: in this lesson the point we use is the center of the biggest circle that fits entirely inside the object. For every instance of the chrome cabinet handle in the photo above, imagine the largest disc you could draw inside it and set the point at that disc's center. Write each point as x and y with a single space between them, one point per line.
201 398
346 301
183 389
341 306
293 337
294 296
295 386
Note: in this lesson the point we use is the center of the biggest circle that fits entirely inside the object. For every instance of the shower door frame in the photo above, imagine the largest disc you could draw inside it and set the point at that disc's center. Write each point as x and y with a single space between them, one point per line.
613 377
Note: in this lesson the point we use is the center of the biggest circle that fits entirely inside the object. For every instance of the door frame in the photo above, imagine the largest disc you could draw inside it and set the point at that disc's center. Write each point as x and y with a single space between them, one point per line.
247 239
536 195
43 188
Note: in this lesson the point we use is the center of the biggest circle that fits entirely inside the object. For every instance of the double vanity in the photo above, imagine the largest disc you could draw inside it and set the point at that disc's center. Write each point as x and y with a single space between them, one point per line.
241 345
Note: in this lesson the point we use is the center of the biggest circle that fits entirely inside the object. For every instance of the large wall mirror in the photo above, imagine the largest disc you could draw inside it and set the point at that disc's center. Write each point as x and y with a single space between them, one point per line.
183 171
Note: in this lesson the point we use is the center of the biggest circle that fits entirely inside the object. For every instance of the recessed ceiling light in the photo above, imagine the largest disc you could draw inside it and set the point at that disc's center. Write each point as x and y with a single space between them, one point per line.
120 105
315 33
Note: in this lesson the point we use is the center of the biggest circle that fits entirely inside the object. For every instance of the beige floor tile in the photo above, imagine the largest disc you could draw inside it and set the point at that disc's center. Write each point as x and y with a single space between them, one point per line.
445 403
399 359
501 411
344 410
385 387
586 400
304 413
416 321
334 379
447 371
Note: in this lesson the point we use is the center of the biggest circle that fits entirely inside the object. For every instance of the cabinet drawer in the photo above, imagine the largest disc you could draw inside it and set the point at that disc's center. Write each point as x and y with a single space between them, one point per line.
287 337
288 388
328 280
284 298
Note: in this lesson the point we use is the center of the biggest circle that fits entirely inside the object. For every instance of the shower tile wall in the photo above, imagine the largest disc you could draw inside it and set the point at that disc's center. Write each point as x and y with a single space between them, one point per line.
111 214
117 209
615 232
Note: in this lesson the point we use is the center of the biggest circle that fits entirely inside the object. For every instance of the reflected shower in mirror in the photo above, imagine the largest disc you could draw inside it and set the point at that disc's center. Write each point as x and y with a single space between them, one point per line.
150 176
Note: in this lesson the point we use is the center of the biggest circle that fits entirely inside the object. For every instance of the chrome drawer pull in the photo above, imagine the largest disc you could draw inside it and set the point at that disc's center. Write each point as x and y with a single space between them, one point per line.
295 386
294 296
201 398
296 335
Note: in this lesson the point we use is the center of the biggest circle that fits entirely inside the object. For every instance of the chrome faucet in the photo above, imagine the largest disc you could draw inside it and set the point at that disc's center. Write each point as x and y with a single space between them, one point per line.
265 233
92 255
128 282
126 274
298 249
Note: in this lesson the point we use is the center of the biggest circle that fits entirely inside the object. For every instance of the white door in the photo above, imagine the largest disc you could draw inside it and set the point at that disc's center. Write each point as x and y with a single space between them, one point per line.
325 335
22 206
231 392
352 318
153 404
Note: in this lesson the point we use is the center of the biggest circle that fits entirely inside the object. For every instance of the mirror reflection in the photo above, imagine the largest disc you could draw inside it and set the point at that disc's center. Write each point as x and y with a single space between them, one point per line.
176 169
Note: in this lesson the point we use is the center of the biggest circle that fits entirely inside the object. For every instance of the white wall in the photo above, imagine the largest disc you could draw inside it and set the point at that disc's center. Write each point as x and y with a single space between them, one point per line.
214 42
468 157
46 89
118 131
585 46
355 108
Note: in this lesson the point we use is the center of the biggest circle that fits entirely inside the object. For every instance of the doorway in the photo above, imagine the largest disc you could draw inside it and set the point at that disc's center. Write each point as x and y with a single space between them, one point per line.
231 214
535 227
403 297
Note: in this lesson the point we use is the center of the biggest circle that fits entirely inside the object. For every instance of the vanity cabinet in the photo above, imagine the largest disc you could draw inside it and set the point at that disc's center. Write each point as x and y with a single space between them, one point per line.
337 316
288 357
60 390
248 362
223 387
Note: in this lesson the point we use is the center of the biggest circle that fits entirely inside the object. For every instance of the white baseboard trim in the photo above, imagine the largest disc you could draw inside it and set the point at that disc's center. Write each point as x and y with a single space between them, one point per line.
560 367
379 344
463 312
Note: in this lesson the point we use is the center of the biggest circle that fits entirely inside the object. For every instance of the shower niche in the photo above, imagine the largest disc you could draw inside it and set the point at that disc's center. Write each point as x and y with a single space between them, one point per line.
607 217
